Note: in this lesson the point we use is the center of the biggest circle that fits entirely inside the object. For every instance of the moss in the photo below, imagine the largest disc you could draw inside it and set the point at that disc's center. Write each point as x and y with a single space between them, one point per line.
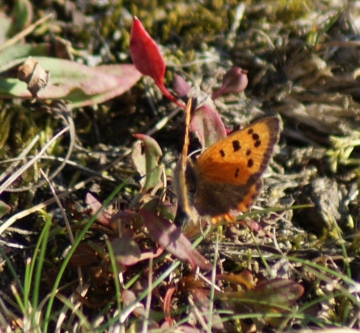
178 22
287 11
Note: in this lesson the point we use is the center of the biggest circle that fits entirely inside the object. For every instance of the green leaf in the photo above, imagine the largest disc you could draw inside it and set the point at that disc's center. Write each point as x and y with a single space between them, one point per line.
4 208
79 84
22 15
145 158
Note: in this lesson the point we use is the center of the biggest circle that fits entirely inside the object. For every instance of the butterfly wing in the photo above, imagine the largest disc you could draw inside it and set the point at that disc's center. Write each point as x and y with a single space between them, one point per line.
228 172
241 157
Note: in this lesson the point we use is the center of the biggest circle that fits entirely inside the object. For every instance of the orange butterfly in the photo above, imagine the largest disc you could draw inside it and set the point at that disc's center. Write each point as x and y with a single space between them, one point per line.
226 176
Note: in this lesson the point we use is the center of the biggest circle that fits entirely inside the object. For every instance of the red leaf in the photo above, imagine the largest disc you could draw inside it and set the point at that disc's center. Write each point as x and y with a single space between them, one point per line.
203 303
126 251
252 225
145 53
148 59
84 255
168 236
235 80
128 298
207 125
205 121
103 217
274 296
180 86
167 304
277 292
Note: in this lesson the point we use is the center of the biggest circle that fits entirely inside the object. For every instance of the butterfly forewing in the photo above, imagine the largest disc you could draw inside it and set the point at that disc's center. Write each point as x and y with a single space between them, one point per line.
241 157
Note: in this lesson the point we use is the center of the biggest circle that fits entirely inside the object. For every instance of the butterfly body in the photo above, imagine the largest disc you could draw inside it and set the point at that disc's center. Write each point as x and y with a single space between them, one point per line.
226 176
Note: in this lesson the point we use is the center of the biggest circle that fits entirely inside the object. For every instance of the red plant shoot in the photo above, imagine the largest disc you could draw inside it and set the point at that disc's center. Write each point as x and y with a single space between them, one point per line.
148 59
235 80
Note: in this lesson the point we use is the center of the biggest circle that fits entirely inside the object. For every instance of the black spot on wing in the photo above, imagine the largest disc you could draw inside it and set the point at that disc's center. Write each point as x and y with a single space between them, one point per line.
236 145
256 137
273 129
257 144
237 173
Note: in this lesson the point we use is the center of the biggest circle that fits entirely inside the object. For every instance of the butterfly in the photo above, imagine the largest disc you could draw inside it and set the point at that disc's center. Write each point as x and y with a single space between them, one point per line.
226 177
